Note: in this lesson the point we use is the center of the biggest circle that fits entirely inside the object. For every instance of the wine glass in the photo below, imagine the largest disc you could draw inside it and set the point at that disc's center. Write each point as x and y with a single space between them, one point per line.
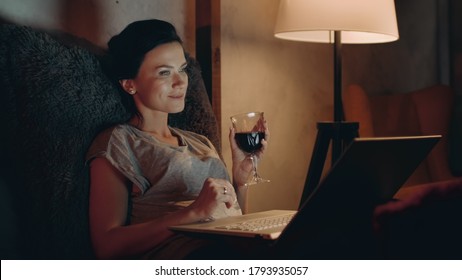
249 131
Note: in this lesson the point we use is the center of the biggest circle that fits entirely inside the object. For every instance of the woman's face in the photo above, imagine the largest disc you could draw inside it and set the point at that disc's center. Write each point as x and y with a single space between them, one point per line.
162 81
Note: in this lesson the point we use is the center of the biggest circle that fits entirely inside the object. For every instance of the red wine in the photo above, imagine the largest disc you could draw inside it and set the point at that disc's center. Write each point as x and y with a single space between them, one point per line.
249 142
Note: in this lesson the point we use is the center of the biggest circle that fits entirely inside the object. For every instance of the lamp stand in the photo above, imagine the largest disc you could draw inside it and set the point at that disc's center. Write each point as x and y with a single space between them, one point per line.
338 132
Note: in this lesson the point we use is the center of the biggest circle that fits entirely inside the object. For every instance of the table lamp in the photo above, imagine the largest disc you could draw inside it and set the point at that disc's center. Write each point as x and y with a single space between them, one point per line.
337 22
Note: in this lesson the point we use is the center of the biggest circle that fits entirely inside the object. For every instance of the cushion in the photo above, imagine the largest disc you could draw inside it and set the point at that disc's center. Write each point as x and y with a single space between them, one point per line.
55 97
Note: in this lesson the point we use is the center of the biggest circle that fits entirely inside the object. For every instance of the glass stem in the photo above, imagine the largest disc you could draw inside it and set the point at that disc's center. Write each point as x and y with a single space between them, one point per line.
254 164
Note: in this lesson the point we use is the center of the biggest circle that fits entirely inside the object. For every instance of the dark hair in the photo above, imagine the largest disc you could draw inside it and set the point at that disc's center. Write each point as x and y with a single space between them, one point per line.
127 49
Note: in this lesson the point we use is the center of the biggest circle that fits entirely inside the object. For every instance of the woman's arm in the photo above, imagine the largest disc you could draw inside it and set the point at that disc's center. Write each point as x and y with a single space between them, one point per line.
109 194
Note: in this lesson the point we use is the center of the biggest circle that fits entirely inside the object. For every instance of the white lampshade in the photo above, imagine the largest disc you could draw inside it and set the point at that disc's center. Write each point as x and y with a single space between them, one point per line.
360 21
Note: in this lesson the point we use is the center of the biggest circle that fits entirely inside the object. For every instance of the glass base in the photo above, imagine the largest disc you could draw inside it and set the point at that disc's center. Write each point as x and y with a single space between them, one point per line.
256 180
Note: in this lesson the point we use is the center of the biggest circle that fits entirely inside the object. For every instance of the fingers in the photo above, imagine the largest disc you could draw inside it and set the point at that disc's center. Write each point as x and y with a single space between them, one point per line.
238 155
232 140
221 191
264 142
214 193
228 194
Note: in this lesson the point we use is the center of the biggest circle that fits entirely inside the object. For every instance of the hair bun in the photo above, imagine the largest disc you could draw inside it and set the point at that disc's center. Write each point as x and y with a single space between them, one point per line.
128 48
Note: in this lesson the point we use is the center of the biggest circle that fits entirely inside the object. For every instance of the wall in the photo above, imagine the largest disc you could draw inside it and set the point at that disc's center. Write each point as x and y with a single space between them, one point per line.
292 83
380 68
98 20
289 81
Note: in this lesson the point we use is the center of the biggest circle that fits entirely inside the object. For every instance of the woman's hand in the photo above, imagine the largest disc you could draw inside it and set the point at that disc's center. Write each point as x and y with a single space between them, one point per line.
214 192
242 164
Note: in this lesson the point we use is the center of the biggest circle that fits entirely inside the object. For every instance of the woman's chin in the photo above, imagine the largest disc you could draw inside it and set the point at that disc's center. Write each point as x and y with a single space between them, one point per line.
177 110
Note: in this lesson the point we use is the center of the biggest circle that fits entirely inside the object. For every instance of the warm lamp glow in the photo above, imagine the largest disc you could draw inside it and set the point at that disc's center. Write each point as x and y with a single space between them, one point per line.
360 21
337 22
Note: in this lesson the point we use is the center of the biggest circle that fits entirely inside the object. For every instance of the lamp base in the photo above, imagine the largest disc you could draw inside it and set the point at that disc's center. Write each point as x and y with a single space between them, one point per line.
340 134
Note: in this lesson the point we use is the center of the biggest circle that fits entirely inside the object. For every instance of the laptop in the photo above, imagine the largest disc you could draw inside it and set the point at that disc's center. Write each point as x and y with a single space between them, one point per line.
369 172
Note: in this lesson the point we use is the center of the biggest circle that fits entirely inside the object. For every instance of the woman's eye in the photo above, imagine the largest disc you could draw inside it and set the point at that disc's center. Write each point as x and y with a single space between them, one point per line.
164 73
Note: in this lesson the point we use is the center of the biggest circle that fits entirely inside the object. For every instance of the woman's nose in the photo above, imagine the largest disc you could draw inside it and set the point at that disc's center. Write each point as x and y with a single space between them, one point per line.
180 80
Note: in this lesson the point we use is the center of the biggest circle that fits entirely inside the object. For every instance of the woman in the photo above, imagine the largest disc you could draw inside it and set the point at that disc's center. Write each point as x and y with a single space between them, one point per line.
147 176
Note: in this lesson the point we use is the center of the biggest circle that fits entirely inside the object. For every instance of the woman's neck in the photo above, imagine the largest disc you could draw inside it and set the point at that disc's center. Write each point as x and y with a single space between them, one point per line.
157 128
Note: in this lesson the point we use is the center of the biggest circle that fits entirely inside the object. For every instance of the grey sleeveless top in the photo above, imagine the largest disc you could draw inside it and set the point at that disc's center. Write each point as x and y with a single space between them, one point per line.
165 178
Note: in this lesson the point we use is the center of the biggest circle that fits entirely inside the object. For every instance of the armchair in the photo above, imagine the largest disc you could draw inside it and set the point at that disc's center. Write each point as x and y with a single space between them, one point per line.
425 111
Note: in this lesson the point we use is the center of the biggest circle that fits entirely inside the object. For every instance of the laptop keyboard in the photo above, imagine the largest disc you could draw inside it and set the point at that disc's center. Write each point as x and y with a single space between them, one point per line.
259 224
